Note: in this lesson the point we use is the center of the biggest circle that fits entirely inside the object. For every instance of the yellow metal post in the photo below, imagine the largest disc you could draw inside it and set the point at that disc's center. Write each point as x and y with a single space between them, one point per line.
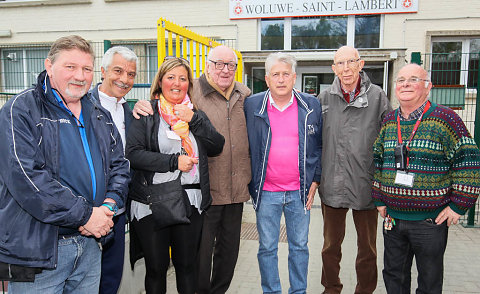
160 41
177 45
164 26
196 74
170 44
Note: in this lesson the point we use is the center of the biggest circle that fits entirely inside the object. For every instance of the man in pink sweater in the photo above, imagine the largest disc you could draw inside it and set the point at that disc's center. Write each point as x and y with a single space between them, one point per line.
285 137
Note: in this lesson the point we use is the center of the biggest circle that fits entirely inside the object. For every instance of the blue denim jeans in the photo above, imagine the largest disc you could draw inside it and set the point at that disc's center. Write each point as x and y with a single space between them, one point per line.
78 270
297 220
424 240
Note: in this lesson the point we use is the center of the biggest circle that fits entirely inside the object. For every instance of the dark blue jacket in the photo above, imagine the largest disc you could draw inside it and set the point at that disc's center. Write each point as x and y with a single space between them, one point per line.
309 145
33 203
126 109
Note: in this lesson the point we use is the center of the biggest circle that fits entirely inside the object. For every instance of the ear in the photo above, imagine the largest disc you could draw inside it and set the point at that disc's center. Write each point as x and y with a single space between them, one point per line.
48 66
426 84
333 69
267 80
361 64
103 72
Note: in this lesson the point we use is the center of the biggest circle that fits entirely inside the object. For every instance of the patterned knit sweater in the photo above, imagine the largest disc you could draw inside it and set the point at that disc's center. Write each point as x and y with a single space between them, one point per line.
443 157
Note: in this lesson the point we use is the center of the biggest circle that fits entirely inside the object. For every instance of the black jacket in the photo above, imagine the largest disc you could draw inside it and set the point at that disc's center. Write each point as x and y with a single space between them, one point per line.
145 158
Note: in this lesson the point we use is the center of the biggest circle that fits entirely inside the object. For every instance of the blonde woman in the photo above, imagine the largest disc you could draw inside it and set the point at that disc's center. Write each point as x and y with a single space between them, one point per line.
177 138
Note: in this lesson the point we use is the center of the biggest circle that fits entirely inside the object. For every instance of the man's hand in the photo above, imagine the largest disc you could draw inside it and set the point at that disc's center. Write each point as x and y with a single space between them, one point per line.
99 223
185 163
142 107
311 194
449 215
382 210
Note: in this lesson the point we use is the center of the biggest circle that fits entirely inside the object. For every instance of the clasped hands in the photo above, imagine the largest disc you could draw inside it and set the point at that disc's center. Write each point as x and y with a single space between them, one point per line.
99 224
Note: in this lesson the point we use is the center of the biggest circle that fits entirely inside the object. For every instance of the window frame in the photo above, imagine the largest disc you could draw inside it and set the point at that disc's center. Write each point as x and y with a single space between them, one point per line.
465 40
25 71
23 3
287 30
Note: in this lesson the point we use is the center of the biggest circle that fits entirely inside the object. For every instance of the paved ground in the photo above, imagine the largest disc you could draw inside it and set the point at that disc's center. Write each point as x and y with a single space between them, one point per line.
462 260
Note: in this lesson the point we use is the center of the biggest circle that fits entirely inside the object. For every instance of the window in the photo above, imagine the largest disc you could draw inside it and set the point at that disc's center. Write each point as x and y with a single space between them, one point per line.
367 31
272 34
258 83
455 61
319 33
326 32
21 66
152 62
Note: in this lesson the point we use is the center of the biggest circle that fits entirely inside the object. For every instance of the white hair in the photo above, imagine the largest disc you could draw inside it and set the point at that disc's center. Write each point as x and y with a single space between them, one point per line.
273 58
212 52
126 53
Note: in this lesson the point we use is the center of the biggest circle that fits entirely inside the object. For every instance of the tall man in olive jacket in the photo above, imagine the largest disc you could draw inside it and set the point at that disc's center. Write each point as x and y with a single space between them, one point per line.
218 95
353 110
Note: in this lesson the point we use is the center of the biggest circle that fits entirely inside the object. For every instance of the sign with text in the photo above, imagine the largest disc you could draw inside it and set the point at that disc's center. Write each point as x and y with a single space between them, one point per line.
241 9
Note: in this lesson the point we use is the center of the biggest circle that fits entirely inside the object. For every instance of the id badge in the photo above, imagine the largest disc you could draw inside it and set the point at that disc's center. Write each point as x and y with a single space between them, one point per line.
173 136
404 178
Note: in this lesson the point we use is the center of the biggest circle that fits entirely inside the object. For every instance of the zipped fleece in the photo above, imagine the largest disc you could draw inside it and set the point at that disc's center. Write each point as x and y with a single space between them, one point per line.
349 130
33 203
309 145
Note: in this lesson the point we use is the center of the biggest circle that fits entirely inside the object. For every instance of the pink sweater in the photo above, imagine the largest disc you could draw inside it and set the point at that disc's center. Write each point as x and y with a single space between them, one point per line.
282 167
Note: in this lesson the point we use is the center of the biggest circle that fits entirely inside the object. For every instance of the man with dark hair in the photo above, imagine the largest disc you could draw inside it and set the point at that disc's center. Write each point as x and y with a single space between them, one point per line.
62 177
119 68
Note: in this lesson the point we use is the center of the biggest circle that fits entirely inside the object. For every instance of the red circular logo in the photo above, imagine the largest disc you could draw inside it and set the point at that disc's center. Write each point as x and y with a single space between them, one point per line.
407 3
238 9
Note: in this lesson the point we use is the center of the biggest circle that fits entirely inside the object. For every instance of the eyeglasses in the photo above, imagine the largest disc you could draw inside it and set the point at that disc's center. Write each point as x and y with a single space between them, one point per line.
175 57
221 65
412 80
349 63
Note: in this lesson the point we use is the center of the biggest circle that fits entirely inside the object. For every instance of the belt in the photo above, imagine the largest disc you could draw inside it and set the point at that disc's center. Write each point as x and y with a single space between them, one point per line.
191 186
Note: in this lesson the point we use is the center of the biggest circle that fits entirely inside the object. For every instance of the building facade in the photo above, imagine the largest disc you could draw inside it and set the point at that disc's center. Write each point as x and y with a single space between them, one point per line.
385 31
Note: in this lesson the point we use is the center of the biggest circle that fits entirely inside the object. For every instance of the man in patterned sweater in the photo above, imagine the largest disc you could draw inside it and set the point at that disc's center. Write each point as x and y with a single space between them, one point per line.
427 174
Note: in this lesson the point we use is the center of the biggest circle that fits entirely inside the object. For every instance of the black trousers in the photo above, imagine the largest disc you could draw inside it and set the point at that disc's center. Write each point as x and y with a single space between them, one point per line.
112 258
424 240
221 230
183 240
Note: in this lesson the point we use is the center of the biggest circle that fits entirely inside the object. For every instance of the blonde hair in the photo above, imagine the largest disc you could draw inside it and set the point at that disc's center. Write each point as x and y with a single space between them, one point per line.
167 66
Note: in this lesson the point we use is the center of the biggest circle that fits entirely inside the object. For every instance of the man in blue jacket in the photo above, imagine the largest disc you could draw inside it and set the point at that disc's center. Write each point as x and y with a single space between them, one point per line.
285 136
119 68
63 176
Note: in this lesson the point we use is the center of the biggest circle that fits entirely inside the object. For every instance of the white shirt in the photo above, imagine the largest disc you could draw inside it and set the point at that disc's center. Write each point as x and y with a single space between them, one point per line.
116 110
272 102
168 143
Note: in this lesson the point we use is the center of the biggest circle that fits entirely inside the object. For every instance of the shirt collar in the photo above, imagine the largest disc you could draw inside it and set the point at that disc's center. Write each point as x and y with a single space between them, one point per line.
351 96
414 114
111 101
272 102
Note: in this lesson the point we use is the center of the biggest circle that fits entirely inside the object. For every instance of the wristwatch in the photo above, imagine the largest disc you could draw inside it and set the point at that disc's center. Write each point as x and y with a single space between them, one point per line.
112 206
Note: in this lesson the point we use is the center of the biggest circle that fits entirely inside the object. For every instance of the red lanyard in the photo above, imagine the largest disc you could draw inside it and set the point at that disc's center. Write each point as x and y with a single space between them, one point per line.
419 120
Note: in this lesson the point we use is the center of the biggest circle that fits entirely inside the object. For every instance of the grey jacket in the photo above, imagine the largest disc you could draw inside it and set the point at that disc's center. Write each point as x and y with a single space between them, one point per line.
349 131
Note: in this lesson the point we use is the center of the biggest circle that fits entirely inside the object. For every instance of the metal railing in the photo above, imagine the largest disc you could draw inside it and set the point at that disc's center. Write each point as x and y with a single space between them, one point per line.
188 45
456 84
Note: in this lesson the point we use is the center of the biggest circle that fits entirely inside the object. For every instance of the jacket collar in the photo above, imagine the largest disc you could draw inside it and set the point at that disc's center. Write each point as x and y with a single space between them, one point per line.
207 89
302 104
361 100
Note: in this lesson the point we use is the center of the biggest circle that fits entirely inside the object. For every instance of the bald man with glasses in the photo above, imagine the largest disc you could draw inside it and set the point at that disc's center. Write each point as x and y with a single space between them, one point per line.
353 109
